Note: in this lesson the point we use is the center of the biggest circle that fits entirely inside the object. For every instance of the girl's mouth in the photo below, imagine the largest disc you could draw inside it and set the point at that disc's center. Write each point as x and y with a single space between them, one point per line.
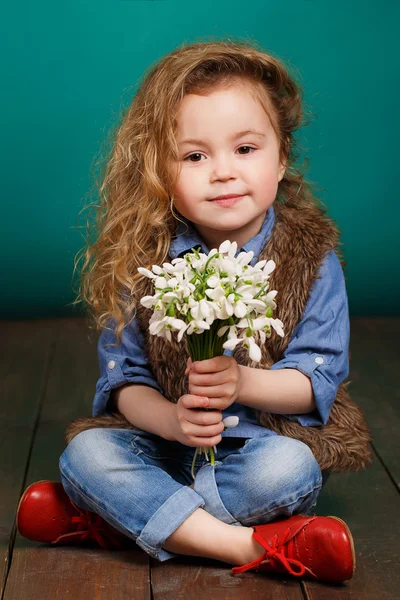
226 202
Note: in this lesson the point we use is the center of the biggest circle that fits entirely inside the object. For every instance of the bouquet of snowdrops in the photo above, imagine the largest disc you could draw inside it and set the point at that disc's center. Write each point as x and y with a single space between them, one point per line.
220 298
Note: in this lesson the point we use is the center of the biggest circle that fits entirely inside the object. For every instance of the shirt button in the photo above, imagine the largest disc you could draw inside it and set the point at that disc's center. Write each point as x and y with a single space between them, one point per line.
111 364
319 360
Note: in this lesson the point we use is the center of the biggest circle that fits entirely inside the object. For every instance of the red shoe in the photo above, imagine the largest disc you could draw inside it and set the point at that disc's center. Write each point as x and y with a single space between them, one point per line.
309 546
47 514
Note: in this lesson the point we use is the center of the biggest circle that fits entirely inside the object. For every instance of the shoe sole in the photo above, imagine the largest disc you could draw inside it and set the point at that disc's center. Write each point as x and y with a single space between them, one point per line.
351 541
23 496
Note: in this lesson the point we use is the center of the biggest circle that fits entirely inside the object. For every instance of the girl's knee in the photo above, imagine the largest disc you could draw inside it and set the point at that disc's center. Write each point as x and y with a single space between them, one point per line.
287 463
301 455
297 462
86 448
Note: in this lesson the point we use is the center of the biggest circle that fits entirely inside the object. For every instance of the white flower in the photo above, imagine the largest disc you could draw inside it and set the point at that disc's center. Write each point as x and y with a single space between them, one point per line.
146 272
232 343
213 281
229 248
278 326
245 257
257 304
194 291
254 350
230 421
217 293
161 282
149 301
202 309
197 326
240 309
247 342
233 332
269 267
226 309
163 327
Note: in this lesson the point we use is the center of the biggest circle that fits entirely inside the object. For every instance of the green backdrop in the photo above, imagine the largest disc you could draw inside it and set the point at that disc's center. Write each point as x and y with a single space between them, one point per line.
70 68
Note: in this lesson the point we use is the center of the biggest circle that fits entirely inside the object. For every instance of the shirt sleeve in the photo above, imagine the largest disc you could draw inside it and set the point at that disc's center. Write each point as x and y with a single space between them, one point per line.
122 364
320 344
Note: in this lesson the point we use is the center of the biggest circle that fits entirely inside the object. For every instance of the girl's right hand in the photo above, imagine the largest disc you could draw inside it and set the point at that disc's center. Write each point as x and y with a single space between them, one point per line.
193 426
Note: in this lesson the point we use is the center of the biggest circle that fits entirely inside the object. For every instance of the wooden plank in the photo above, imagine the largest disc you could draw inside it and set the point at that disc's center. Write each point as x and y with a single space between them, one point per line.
46 572
27 353
374 371
43 572
189 577
369 503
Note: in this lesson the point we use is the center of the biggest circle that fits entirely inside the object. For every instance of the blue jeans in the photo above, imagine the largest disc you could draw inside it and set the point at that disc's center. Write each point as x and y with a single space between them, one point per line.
140 483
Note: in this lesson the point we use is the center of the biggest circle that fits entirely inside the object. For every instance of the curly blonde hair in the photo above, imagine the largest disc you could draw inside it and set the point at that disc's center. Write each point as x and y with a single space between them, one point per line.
135 218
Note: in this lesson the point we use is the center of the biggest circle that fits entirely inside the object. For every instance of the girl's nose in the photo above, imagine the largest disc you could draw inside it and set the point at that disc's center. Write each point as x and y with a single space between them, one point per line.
223 168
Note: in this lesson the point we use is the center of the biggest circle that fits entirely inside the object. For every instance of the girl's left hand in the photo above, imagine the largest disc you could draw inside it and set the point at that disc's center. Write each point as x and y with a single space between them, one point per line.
217 378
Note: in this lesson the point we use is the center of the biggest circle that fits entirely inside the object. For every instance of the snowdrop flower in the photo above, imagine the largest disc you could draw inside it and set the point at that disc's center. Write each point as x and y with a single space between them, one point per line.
254 350
197 326
278 326
147 272
165 325
230 421
202 309
194 291
229 248
232 331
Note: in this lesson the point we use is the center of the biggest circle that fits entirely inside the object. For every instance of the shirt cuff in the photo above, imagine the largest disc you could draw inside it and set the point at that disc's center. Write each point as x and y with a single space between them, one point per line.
324 390
115 378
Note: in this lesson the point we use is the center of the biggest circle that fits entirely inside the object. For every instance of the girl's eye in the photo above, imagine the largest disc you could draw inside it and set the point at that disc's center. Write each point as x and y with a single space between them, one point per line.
199 153
248 147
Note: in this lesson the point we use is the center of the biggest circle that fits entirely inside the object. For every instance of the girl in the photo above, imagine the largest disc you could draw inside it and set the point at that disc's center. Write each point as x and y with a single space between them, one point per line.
205 153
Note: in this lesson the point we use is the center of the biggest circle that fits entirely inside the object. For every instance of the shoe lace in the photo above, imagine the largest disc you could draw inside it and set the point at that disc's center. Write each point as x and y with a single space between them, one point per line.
275 552
92 527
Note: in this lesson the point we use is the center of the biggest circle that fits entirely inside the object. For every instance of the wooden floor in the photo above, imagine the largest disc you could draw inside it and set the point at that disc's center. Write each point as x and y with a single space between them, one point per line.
49 371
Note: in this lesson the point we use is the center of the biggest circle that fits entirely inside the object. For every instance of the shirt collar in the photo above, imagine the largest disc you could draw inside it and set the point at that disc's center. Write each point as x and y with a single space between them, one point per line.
186 237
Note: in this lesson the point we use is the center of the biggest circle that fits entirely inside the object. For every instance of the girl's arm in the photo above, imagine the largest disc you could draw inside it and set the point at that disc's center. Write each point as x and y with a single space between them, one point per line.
285 391
145 408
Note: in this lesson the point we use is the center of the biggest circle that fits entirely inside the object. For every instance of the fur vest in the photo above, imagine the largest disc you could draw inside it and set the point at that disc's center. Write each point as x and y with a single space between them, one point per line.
299 242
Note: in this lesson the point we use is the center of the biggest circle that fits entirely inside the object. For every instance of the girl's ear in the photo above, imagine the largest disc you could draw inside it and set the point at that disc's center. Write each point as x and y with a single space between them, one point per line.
281 171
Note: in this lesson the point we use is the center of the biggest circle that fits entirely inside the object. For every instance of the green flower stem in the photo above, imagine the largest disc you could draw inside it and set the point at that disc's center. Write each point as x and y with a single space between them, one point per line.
202 347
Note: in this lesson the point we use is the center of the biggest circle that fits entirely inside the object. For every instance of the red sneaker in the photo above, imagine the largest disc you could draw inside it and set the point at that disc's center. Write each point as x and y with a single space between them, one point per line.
305 546
47 514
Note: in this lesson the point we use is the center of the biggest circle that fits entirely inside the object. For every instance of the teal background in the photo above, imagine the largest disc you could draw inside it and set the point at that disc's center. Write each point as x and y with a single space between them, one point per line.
69 69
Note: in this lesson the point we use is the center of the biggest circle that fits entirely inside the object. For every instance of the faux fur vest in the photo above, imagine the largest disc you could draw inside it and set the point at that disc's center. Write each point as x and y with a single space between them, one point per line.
299 242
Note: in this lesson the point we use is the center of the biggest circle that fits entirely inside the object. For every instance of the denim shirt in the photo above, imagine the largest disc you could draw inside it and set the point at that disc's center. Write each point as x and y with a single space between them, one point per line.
318 349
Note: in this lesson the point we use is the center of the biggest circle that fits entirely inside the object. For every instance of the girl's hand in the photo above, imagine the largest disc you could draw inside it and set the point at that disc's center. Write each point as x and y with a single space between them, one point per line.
192 425
217 378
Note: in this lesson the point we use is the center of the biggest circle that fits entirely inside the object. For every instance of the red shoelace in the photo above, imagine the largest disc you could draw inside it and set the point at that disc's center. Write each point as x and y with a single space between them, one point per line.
91 526
277 552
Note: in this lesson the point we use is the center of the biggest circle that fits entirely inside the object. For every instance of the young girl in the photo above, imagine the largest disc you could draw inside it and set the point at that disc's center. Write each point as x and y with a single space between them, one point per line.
205 153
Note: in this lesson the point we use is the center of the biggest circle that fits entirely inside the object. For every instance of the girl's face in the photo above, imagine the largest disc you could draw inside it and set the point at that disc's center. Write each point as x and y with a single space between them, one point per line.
218 161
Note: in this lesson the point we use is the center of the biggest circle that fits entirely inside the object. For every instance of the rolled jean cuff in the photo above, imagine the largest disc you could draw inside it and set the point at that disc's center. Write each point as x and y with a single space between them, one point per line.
206 486
166 520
